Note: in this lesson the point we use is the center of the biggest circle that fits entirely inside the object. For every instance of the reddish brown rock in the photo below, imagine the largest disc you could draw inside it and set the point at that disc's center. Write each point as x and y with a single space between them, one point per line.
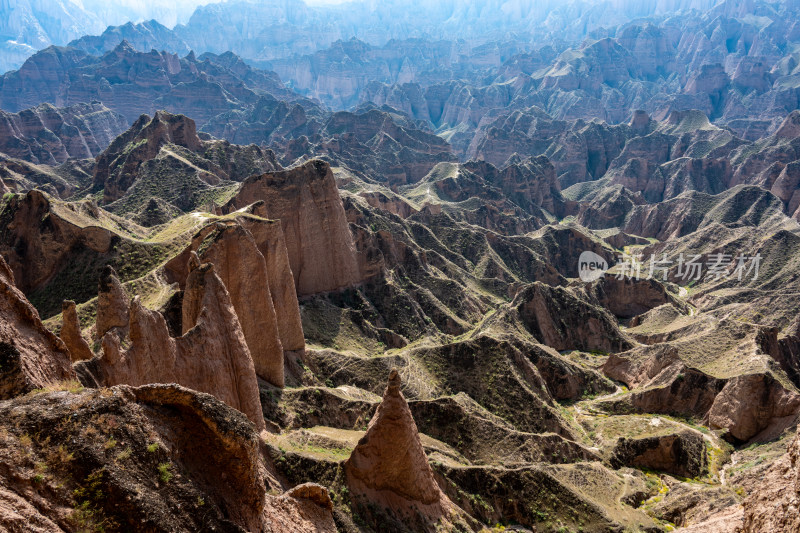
312 492
117 166
321 251
30 355
243 270
40 236
268 236
389 467
218 479
71 333
681 454
390 456
212 356
250 255
112 304
752 403
775 505
299 510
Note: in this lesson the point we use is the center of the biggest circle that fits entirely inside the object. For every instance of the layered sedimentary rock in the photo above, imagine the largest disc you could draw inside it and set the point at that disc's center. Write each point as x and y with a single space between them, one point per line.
682 454
164 157
30 355
773 505
251 257
195 462
390 467
212 356
243 270
71 333
46 134
320 245
112 305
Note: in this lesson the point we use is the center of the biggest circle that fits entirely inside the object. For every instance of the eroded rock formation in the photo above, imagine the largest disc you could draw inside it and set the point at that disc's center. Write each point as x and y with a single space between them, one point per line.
774 505
30 355
320 245
251 257
71 333
212 356
681 454
390 468
112 305
194 462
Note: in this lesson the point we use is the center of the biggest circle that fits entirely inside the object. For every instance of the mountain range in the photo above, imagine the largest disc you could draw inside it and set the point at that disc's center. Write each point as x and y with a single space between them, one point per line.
389 267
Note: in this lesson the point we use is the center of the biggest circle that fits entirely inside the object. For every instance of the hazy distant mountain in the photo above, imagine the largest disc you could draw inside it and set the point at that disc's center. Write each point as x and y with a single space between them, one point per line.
30 25
274 29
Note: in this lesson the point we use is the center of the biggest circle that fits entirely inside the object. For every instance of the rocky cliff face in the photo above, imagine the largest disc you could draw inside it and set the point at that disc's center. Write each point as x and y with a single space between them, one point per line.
211 327
46 134
320 246
771 507
32 357
240 264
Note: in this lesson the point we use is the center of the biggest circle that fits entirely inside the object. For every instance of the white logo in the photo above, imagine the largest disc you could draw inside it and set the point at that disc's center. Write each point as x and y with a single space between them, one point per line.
591 266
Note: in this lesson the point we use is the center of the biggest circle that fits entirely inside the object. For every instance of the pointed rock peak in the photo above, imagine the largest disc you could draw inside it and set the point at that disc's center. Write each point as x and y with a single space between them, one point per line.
640 120
176 129
124 47
191 56
393 386
390 457
112 303
71 333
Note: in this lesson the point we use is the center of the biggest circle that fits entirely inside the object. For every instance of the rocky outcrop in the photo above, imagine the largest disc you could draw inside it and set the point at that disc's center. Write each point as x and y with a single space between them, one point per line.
30 355
270 241
627 297
559 318
38 239
164 157
320 245
243 270
669 377
194 462
251 257
736 409
682 454
390 468
49 135
212 356
773 505
112 305
71 333
117 165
